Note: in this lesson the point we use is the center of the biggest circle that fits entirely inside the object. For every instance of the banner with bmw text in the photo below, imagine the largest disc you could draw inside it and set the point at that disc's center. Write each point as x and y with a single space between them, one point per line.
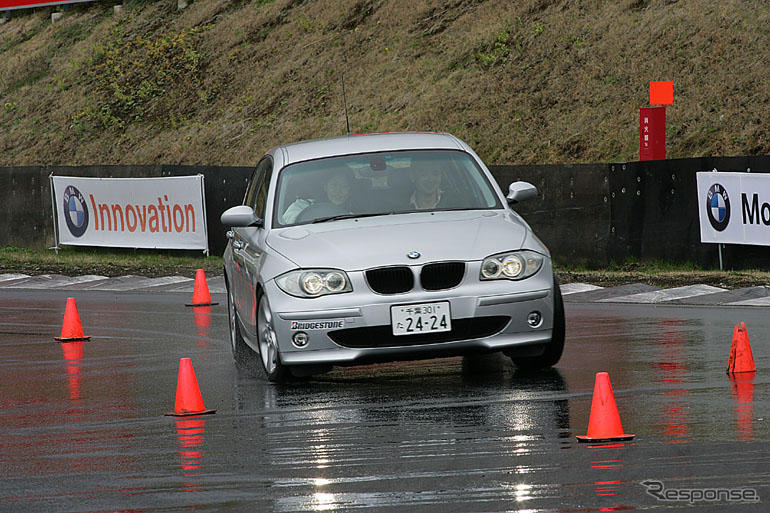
160 213
734 208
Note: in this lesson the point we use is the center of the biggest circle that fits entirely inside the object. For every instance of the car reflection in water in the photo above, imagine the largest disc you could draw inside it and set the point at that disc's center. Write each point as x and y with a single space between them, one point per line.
417 433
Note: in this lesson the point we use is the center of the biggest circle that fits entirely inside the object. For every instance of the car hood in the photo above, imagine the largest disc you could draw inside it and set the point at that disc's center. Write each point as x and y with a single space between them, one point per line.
355 244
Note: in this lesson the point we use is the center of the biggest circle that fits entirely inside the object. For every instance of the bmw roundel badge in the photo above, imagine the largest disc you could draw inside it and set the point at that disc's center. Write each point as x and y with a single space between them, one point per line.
718 207
75 211
413 254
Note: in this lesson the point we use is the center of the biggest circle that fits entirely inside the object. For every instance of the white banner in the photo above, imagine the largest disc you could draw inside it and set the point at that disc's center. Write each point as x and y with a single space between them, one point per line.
161 213
733 208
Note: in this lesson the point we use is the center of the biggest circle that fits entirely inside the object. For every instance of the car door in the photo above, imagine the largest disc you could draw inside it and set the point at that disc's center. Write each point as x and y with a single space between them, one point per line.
248 244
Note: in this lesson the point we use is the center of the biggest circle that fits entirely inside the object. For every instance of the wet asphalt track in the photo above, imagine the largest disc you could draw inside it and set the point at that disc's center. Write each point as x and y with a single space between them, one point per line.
82 425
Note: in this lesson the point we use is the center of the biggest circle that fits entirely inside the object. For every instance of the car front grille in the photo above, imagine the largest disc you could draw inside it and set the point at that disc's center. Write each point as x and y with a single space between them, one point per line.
382 336
399 279
390 280
442 275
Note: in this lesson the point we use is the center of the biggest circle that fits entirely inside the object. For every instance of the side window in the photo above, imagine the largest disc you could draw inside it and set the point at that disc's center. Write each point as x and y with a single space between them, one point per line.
248 199
259 200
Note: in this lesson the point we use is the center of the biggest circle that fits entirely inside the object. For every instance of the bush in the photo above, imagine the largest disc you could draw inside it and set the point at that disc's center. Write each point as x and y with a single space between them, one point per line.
142 77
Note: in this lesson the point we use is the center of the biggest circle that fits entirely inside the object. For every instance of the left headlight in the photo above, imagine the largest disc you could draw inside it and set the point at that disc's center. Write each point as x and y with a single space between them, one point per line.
314 282
513 265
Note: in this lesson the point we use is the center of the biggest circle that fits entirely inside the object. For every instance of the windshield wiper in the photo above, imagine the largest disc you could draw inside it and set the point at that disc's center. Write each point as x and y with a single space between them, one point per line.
349 216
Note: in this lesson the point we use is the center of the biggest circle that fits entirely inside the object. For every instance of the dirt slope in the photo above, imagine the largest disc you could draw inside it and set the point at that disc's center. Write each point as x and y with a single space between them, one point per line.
529 81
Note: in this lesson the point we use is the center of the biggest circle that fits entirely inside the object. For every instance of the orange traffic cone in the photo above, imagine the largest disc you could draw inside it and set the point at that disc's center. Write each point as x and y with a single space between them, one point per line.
741 359
604 424
71 330
201 296
188 395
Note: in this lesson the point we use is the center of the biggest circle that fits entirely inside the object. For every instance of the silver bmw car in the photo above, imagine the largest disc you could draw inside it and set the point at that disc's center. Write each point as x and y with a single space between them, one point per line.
379 247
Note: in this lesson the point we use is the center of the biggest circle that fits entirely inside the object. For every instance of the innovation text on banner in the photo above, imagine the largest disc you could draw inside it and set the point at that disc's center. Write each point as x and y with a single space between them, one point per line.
160 213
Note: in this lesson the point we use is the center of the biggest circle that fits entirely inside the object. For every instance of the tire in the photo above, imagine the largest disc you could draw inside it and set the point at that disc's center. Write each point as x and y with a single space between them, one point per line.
555 348
269 354
242 353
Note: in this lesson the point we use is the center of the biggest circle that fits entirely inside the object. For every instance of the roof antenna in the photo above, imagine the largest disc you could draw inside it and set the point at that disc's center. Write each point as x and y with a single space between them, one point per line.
345 101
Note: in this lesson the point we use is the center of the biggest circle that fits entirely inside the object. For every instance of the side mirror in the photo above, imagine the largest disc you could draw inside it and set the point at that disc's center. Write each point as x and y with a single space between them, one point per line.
240 216
520 191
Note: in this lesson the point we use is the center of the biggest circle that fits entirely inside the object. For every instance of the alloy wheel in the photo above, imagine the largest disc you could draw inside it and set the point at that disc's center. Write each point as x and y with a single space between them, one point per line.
268 342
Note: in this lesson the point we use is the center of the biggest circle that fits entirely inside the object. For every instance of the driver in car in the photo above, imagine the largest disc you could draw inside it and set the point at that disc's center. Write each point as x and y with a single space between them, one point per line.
337 192
427 187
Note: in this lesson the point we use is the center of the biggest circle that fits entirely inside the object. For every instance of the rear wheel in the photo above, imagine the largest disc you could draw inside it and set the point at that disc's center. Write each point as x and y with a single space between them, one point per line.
269 354
555 348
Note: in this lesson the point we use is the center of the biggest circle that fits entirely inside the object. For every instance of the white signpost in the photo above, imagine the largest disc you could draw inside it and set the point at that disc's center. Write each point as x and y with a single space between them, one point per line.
159 213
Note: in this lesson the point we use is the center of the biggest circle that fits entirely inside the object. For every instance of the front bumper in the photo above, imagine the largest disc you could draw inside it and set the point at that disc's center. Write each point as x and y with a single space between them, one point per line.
355 327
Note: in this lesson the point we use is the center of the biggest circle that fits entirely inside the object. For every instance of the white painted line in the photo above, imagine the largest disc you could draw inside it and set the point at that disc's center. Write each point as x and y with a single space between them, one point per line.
42 281
8 277
661 296
574 288
53 281
759 301
77 280
215 284
126 283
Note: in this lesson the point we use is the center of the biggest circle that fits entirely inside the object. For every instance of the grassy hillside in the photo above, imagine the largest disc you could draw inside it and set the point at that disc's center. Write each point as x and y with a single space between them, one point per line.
529 81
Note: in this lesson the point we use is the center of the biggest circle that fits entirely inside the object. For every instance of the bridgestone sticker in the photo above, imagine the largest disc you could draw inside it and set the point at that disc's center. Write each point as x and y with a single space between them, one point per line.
321 325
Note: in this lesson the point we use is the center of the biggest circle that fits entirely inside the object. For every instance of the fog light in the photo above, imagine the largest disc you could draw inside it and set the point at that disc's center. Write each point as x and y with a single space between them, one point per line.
534 319
300 339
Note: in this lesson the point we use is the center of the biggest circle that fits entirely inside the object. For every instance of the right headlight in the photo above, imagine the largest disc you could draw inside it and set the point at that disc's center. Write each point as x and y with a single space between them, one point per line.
314 282
512 265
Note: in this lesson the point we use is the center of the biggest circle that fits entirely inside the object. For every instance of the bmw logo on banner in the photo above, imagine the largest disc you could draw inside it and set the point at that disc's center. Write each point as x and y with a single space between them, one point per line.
75 211
718 207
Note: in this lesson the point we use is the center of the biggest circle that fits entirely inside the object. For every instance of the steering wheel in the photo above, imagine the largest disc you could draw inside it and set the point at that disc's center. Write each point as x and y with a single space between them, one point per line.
318 210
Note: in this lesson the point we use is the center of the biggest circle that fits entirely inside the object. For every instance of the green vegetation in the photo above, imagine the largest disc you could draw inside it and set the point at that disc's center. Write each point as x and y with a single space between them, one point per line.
496 52
525 82
73 261
141 78
636 265
659 274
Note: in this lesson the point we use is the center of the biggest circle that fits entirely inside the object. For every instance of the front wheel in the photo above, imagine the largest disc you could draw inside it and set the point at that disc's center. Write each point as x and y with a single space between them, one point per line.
555 348
269 354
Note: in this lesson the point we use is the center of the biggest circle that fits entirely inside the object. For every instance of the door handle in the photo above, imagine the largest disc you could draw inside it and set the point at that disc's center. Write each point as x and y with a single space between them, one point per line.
238 245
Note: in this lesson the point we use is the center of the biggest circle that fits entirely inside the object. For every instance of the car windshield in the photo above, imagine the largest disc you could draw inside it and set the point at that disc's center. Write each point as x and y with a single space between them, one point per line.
380 184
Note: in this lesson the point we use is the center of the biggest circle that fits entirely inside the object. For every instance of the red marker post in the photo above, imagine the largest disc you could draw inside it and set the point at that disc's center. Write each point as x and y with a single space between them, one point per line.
652 122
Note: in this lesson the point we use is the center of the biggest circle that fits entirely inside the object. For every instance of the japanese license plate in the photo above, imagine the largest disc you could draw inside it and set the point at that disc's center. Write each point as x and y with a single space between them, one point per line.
420 318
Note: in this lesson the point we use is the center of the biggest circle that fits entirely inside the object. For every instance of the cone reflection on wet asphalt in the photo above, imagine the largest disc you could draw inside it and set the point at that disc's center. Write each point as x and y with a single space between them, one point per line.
73 353
202 319
743 395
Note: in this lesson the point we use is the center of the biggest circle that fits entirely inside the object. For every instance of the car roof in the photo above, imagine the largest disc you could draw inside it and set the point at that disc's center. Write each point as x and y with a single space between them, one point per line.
366 143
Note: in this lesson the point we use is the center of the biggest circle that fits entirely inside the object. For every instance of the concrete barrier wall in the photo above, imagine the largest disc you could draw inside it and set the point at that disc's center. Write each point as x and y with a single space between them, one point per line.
572 212
586 213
